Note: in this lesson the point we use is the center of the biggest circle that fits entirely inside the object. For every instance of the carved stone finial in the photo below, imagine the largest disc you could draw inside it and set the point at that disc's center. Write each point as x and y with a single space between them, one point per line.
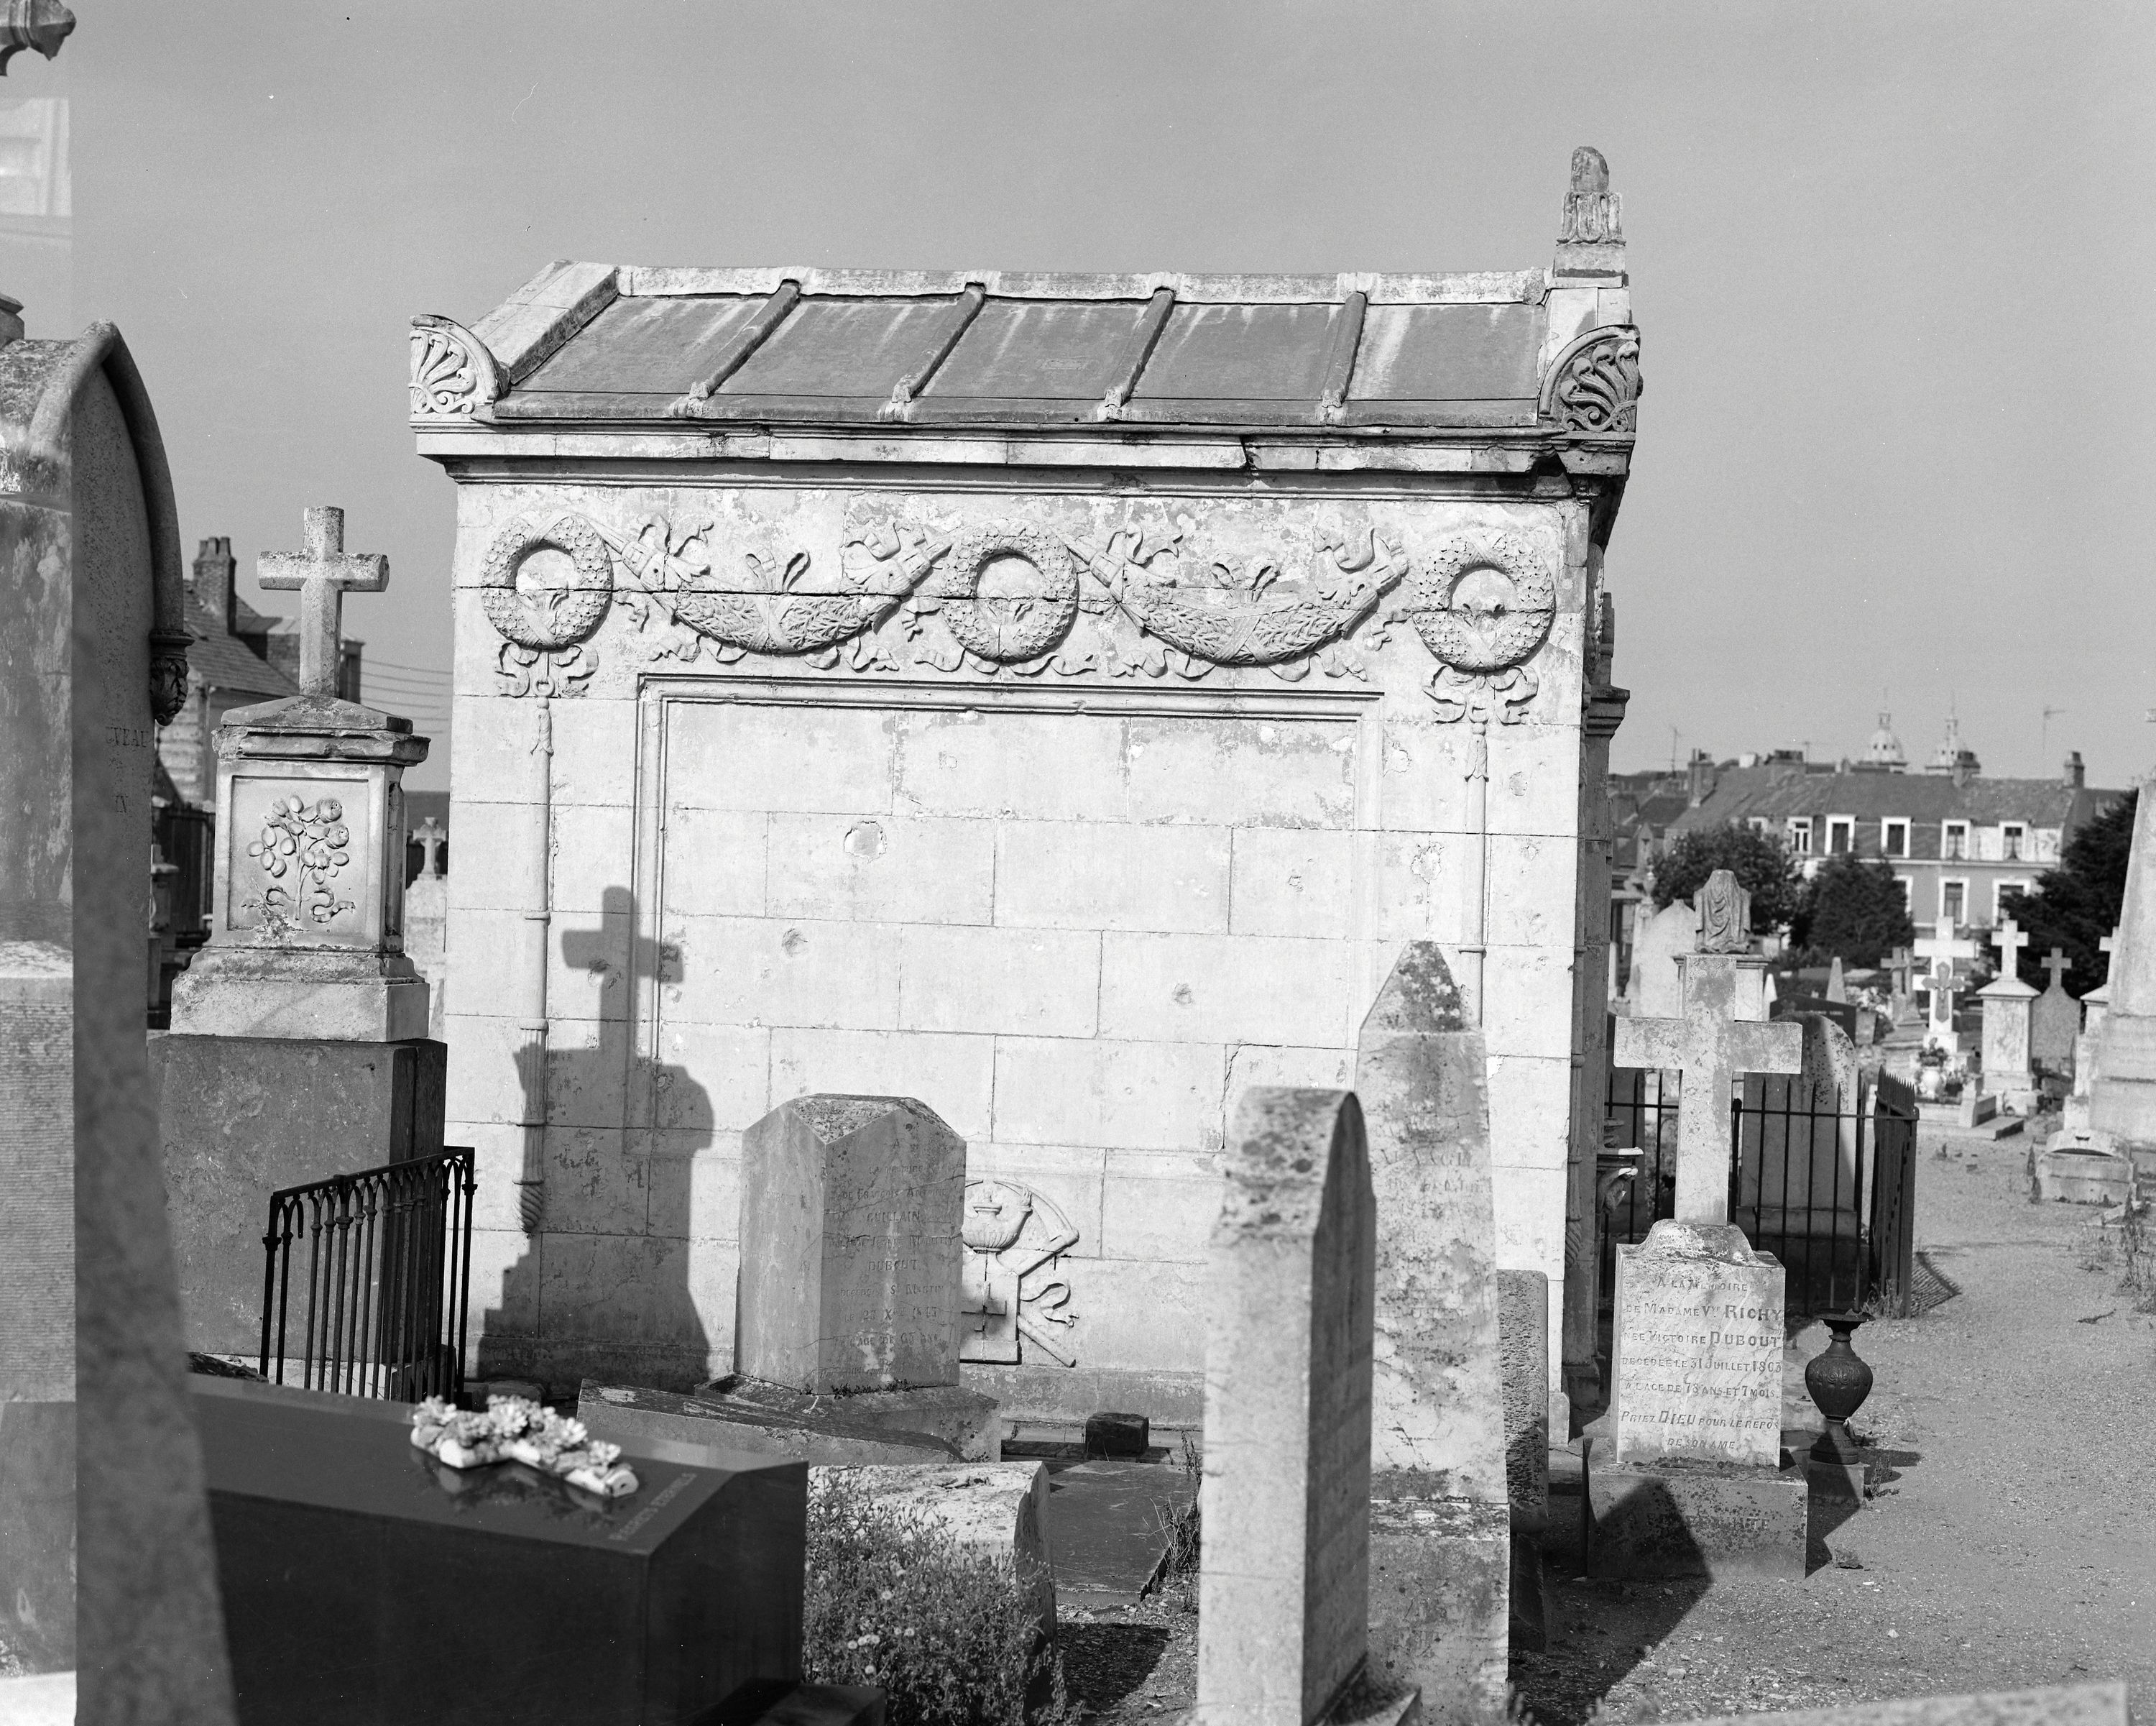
1590 241
42 24
1724 913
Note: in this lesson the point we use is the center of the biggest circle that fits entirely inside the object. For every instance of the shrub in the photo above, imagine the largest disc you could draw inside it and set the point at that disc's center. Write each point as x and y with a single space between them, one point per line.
947 1633
1761 865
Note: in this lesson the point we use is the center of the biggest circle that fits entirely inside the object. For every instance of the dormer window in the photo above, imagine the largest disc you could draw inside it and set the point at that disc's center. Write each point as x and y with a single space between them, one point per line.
2012 840
1894 838
1954 844
1800 835
1840 834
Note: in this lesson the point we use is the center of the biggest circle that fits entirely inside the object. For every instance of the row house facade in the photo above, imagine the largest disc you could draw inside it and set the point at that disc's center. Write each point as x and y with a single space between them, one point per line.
1961 844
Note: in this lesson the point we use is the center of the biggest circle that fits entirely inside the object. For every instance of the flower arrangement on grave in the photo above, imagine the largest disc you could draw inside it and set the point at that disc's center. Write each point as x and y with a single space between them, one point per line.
514 1429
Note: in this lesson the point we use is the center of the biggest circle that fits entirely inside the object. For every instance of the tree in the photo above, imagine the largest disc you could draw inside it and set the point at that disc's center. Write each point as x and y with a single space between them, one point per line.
1855 909
2077 905
1758 860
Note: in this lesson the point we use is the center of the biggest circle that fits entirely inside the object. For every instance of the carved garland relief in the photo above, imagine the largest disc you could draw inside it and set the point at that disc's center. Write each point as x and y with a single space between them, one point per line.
1016 601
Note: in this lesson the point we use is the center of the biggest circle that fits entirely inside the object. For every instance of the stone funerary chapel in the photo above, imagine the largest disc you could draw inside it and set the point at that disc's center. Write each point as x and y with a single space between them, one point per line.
1055 698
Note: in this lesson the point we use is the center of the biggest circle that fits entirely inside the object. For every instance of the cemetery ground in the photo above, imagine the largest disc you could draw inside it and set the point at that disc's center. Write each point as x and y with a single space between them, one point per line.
2008 1543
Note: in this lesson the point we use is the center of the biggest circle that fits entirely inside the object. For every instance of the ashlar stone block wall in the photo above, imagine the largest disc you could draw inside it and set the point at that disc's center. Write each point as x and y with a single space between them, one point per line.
1074 905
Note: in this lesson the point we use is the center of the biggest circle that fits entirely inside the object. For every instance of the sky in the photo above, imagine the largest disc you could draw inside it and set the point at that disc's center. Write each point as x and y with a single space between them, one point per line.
1894 446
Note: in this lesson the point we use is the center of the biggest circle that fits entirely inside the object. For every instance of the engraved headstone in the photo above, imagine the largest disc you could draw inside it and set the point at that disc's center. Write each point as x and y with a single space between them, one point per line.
1439 1537
1290 1287
1697 1372
850 1246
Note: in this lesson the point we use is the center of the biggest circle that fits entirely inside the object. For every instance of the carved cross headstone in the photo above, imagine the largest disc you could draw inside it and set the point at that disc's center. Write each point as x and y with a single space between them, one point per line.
1943 948
430 834
322 572
1721 1036
1900 963
2010 941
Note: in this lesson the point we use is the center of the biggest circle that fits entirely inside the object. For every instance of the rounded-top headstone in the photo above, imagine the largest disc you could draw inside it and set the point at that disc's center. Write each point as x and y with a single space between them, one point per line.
850 1215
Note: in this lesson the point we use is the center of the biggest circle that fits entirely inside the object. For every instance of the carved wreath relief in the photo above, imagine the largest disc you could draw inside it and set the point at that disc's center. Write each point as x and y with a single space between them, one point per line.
1014 601
1014 1240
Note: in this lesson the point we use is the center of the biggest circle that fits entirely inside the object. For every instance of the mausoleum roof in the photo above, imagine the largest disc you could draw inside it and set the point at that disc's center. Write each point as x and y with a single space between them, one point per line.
1546 354
807 345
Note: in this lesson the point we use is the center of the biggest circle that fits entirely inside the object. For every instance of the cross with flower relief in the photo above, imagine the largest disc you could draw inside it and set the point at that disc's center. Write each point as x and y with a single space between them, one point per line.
323 572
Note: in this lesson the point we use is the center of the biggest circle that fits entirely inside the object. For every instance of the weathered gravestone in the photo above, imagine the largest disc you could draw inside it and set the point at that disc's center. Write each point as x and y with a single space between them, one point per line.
299 1047
1439 1537
2007 1000
1285 1571
92 1366
2123 1103
2054 1022
1523 1335
365 1581
846 1317
1694 1425
1656 989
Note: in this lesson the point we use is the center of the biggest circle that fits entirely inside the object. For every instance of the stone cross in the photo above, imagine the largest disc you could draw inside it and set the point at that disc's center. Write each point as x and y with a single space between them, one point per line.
1711 1046
322 572
2057 964
1900 963
2010 941
1943 948
430 834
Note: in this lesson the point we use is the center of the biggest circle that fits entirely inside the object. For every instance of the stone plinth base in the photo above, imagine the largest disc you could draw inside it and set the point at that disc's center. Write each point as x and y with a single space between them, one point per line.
1677 1519
267 992
965 1420
632 1415
241 1117
1975 1108
1439 1601
2083 1174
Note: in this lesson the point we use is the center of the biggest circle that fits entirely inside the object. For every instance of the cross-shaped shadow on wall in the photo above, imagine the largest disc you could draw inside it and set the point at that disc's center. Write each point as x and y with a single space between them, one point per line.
603 1290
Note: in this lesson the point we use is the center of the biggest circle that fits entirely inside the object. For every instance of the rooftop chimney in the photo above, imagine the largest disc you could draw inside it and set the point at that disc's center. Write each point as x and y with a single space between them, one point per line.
211 580
2076 775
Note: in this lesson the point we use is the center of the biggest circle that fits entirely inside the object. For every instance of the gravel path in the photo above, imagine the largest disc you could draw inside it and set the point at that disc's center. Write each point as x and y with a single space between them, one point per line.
2013 1540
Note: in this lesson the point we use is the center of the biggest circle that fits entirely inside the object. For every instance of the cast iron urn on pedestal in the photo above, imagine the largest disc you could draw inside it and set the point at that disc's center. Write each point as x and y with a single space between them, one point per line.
1839 1382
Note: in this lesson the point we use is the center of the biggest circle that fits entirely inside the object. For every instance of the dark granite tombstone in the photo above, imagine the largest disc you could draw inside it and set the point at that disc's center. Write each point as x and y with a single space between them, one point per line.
366 1582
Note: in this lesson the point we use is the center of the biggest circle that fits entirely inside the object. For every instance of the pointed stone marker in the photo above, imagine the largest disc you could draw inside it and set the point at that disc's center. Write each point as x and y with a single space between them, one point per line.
2124 1099
1438 1529
1284 1574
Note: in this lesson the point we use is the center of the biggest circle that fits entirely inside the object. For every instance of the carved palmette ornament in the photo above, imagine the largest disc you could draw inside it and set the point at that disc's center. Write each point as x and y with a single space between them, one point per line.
1594 385
1007 595
1483 606
1254 616
1009 1293
453 374
545 590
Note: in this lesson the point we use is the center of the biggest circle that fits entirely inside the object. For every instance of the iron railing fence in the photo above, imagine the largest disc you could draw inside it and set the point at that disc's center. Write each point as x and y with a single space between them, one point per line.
383 1276
1829 1191
187 838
